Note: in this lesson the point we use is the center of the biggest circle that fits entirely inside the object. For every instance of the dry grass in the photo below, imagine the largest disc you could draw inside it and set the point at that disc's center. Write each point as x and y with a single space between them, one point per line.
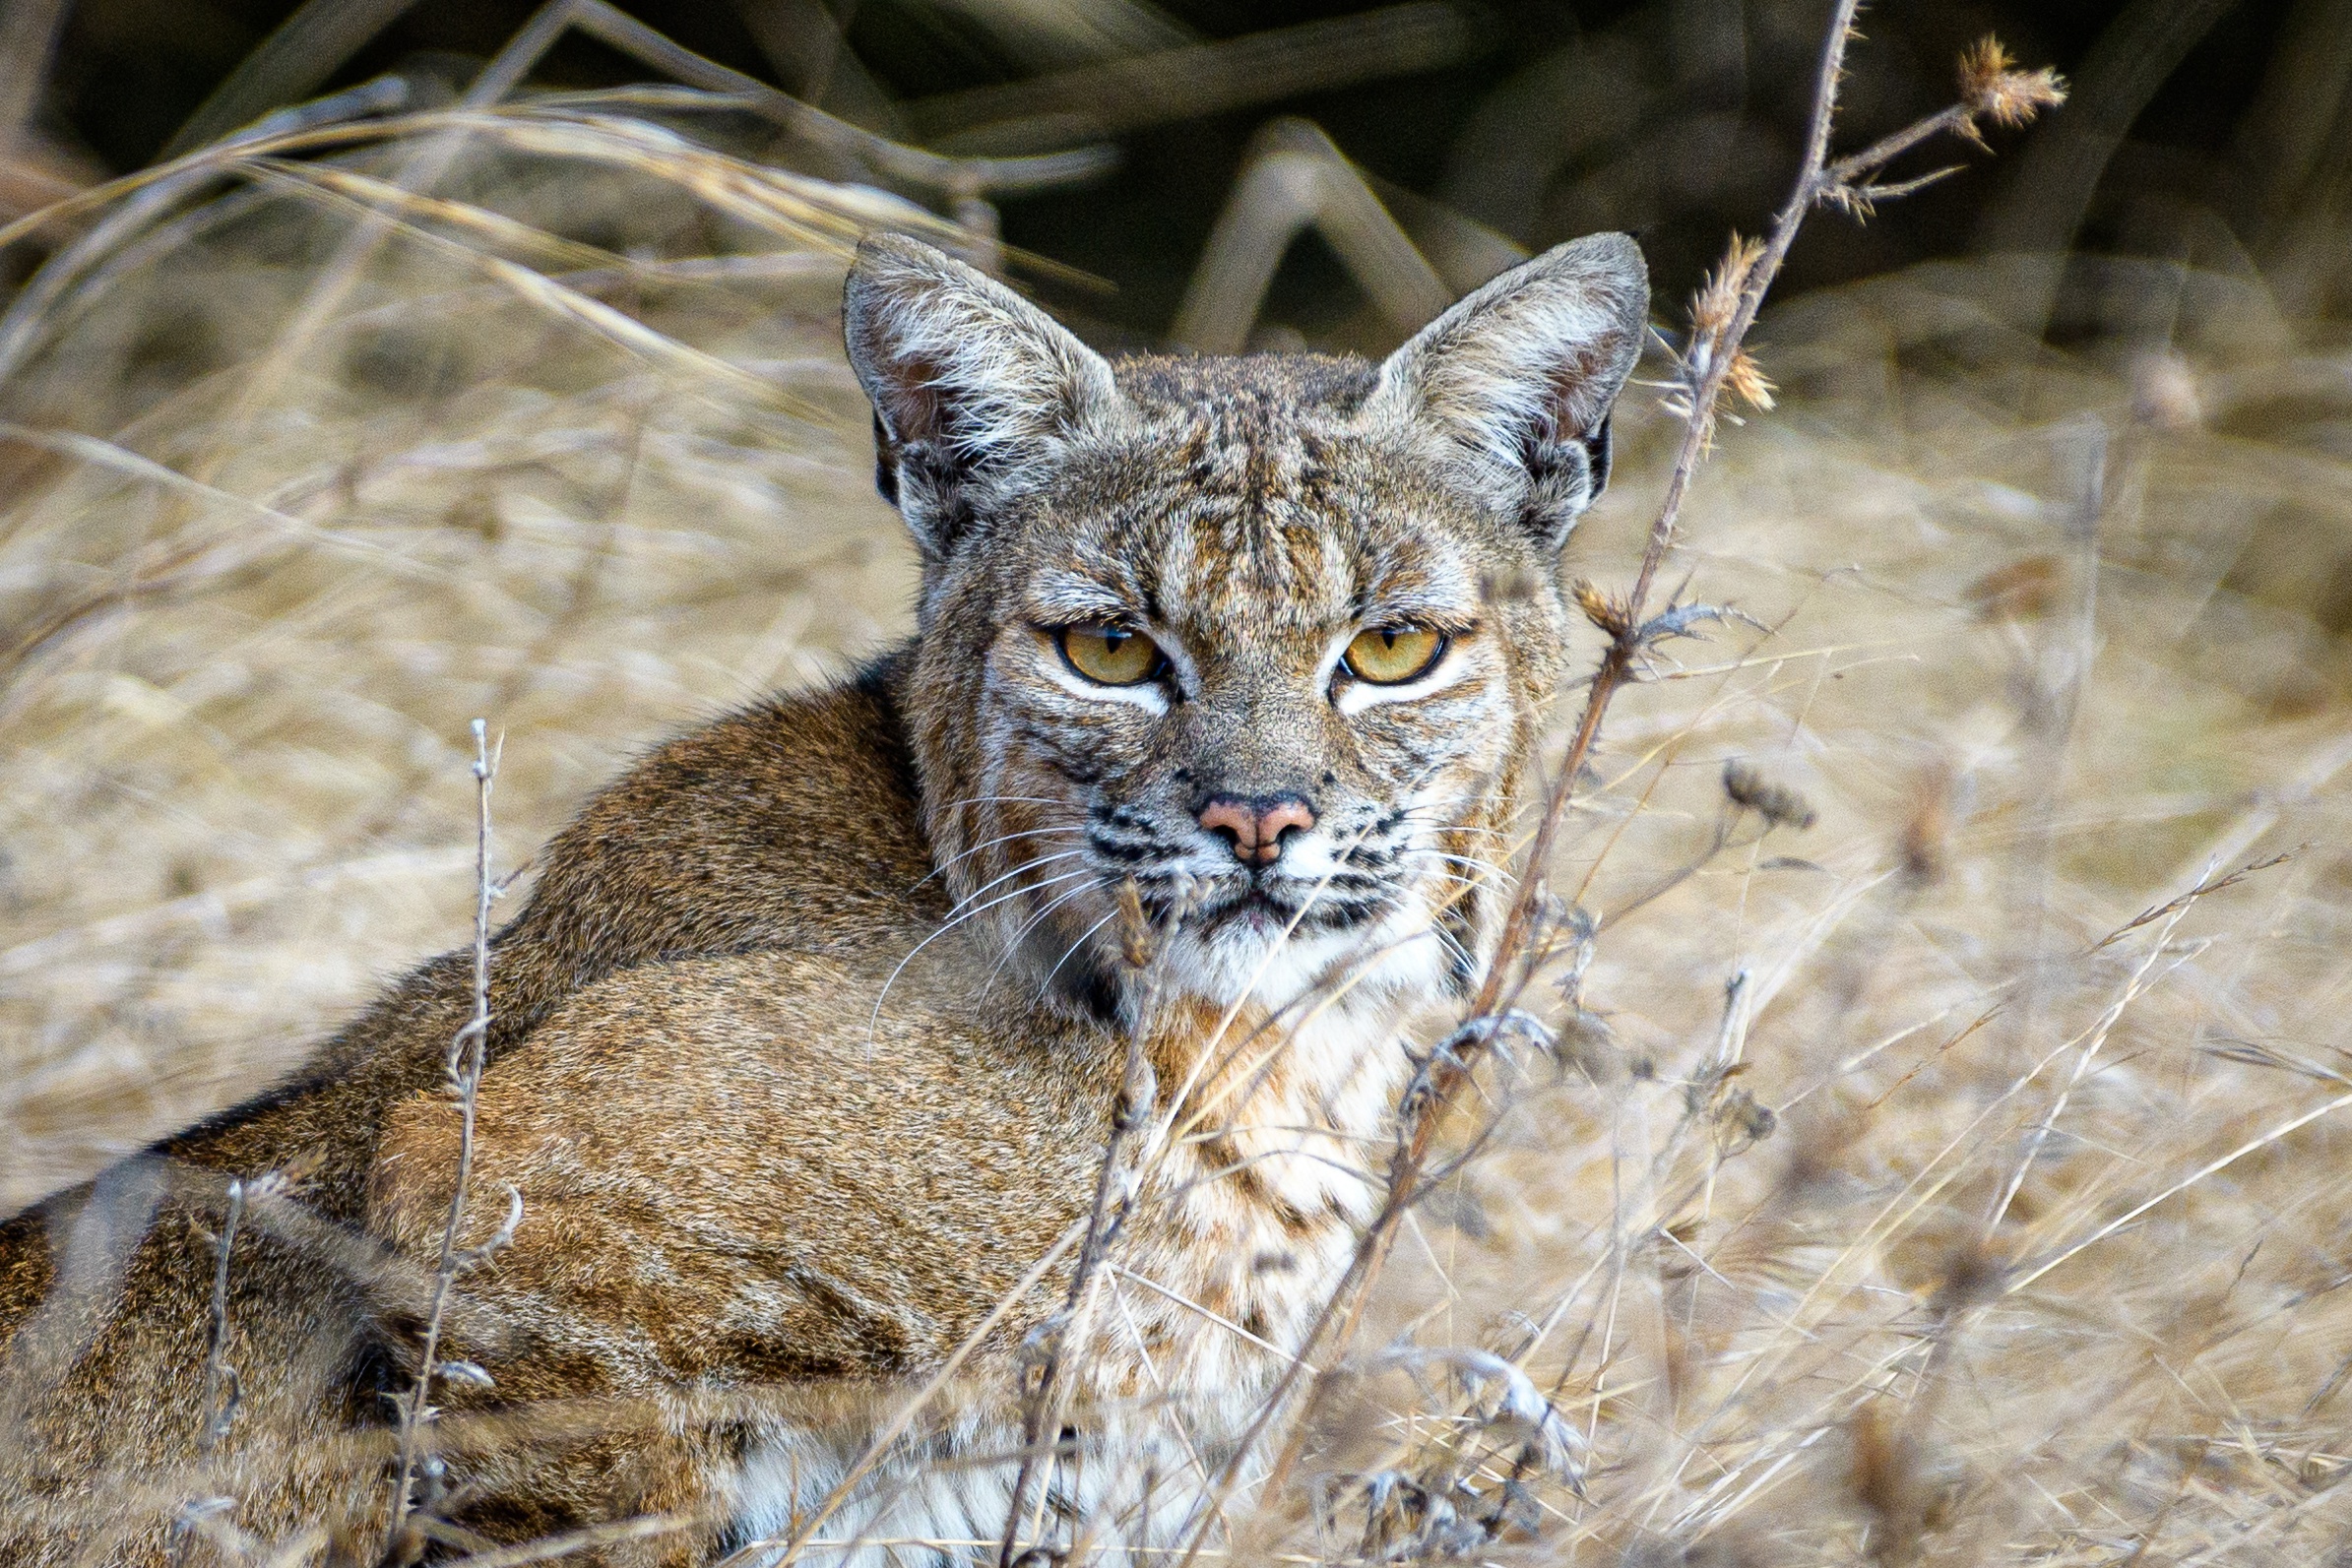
2025 713
237 694
2036 1256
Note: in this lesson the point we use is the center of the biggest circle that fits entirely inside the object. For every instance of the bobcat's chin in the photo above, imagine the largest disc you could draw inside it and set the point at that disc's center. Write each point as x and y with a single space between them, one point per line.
1267 949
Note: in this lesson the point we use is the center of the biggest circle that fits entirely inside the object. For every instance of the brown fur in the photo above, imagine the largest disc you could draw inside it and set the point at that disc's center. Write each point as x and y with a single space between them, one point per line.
699 849
785 1124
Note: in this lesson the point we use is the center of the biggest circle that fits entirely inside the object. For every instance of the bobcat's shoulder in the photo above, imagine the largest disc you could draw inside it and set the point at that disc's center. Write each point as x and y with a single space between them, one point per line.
807 1042
732 838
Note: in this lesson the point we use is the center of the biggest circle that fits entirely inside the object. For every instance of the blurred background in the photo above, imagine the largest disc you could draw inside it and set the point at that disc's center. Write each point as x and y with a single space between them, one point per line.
2202 129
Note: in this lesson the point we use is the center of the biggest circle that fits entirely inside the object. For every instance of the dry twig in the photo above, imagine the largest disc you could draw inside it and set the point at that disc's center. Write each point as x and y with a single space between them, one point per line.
464 1068
1710 364
221 1386
1047 1396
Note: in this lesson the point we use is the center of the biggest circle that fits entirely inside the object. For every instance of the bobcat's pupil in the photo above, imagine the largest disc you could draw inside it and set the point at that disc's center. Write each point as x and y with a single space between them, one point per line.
1108 655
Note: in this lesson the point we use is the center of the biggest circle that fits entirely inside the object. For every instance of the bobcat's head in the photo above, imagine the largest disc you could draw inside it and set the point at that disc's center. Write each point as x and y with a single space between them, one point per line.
1269 635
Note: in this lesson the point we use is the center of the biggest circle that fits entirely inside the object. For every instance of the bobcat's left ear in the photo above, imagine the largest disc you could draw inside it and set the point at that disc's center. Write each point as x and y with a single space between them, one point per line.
1521 375
972 385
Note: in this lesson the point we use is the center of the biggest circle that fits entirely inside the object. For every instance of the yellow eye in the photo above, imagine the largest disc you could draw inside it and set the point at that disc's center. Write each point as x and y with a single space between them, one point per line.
1390 656
1108 656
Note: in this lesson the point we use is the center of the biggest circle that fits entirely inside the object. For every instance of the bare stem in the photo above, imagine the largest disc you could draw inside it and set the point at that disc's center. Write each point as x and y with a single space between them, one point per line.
1049 1397
1709 368
221 1386
464 1067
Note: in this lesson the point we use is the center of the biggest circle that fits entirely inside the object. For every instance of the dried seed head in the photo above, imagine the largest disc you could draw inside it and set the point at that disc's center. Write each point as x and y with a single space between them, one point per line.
1138 1095
1718 301
1743 1122
1746 380
1601 611
1134 926
1990 85
1779 805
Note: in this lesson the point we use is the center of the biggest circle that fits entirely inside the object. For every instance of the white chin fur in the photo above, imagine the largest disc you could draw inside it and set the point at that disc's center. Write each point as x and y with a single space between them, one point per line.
1399 961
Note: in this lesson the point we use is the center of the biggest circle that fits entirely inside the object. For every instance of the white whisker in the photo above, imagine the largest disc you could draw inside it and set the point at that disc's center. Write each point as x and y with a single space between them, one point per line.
1005 838
1013 946
1044 859
1084 937
874 1022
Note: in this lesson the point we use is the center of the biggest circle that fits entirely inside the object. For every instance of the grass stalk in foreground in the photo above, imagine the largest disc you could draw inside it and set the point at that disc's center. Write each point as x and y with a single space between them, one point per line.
465 1066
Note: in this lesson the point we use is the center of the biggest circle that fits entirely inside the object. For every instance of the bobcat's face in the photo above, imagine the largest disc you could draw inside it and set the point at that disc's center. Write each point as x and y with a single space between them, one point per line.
1269 636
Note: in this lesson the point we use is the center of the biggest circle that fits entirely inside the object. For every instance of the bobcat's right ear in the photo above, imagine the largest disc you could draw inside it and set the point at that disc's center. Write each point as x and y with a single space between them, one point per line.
972 385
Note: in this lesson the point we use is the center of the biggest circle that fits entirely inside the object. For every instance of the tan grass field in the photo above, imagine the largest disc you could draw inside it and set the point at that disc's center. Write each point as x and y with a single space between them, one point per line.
1941 1181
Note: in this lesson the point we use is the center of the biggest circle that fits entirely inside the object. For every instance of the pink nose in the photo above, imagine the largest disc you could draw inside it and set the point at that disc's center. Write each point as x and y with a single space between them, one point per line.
1255 828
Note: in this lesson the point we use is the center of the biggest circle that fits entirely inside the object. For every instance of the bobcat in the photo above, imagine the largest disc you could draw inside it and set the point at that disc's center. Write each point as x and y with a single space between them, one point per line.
809 1042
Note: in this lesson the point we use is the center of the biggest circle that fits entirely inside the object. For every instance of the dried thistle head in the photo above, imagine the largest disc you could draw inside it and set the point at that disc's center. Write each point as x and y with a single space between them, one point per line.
1990 85
1714 310
1779 805
1746 380
1134 926
1610 614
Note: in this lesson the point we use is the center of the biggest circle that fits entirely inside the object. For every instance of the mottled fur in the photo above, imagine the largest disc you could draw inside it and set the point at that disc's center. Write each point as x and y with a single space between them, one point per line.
807 1040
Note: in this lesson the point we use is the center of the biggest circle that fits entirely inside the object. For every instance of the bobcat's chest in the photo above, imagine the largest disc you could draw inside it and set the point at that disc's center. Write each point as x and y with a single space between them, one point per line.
1240 1223
1247 1218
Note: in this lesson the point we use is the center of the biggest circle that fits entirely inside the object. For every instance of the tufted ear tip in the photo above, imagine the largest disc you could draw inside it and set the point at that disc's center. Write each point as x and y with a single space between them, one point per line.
1611 263
1615 251
886 260
970 381
882 246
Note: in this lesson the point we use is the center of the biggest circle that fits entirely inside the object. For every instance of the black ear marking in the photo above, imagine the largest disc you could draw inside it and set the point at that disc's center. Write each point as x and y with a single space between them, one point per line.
1598 454
885 463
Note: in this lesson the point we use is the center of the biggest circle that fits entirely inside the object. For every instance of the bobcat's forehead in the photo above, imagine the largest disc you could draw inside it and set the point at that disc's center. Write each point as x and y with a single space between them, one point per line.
1242 504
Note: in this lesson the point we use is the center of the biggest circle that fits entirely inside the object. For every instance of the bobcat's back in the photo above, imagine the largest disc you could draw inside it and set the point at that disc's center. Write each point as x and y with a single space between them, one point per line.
726 841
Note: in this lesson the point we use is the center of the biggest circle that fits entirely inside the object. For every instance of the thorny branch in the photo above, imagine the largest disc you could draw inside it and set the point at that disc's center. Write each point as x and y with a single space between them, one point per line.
1712 362
464 1068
